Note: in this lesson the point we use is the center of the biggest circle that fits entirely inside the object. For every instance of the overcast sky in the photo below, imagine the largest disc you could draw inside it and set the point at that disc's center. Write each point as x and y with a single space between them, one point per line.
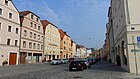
83 20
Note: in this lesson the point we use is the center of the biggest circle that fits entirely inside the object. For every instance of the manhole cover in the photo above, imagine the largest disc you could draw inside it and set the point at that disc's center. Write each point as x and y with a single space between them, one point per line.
77 77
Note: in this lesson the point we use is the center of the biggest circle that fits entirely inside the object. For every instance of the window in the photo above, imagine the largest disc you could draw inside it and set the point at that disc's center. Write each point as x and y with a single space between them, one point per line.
117 26
30 45
38 37
0 26
35 26
57 56
64 42
69 49
30 34
38 46
38 27
16 42
0 11
9 28
37 19
42 38
121 16
16 30
24 44
132 28
64 48
32 17
10 15
6 2
25 33
8 41
31 24
34 46
41 47
34 36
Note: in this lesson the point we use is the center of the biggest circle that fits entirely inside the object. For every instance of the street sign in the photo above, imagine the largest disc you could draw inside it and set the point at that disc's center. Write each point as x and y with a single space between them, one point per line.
138 39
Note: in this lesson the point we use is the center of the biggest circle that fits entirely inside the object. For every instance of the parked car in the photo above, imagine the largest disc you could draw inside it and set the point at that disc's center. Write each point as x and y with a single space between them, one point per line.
76 65
56 62
97 59
64 61
87 63
92 61
70 60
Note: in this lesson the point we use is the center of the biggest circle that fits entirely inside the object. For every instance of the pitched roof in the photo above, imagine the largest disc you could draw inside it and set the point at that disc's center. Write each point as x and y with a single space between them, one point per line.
24 13
45 23
62 33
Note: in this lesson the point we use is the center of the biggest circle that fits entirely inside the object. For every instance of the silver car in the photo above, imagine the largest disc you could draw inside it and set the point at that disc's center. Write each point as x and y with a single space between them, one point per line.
56 62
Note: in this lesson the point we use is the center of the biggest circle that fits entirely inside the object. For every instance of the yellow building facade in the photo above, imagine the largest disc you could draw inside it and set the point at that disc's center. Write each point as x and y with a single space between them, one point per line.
51 41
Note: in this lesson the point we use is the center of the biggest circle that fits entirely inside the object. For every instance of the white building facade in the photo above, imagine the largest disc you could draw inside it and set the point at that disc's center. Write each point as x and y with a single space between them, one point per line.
126 27
9 32
32 38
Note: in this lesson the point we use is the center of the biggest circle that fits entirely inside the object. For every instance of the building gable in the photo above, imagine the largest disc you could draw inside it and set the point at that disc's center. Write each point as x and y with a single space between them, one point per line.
10 5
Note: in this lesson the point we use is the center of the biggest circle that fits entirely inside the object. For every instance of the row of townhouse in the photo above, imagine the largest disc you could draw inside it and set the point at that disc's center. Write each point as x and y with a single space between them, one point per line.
124 34
24 38
81 51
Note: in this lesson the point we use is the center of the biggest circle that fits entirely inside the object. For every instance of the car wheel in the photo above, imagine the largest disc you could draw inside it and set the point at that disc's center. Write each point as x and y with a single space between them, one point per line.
82 68
70 69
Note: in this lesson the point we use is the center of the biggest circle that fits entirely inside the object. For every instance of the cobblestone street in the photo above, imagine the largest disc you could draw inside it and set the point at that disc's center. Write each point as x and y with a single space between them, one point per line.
100 70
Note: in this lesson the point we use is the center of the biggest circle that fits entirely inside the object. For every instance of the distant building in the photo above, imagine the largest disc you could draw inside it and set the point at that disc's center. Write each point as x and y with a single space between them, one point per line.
111 36
81 51
9 32
31 47
89 51
51 41
73 49
106 51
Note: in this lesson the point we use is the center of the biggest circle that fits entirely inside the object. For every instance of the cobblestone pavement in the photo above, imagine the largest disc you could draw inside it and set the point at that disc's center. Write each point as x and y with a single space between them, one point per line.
100 70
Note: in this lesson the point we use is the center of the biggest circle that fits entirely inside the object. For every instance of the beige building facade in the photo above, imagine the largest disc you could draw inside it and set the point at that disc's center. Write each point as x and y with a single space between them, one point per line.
73 49
9 32
126 27
32 37
51 41
65 45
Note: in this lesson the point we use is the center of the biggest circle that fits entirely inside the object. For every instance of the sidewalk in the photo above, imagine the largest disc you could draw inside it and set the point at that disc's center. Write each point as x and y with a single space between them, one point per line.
113 69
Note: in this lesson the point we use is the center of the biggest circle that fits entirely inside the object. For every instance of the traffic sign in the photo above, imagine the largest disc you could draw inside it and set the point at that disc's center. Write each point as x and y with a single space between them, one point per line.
138 39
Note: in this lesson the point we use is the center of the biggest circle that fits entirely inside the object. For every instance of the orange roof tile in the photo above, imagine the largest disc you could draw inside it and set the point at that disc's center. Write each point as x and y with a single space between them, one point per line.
24 13
45 23
62 33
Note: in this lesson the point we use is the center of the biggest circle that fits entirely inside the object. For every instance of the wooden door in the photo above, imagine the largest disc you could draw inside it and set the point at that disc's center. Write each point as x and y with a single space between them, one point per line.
13 59
23 56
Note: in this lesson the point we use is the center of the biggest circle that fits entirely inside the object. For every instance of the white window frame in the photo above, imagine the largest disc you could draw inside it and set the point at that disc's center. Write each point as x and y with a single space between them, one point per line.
16 42
10 29
10 15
